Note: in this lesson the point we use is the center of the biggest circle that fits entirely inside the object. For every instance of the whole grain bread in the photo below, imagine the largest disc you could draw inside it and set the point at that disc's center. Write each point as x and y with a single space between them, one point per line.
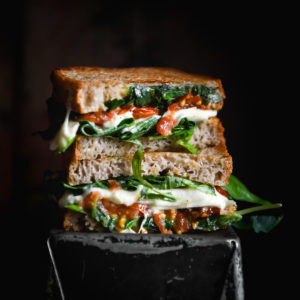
207 134
212 165
86 89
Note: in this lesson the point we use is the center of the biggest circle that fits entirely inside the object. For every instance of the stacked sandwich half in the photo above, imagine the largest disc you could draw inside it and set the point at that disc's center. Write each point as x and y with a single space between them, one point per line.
144 150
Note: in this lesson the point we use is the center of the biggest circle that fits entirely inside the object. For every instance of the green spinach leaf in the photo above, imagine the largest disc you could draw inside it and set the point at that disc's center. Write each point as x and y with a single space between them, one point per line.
161 96
173 182
83 187
76 208
115 103
182 133
99 215
208 224
169 224
139 129
111 224
265 223
89 128
238 191
149 224
137 173
131 223
259 223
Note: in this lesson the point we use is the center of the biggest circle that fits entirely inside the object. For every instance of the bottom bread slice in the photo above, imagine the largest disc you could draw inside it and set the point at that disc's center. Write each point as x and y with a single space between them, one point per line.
211 166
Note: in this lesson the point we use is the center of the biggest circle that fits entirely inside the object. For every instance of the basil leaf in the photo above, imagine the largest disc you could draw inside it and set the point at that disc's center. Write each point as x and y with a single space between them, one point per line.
238 191
75 207
131 223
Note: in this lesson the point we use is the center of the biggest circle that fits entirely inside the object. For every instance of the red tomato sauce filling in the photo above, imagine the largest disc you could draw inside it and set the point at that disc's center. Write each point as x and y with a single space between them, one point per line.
100 117
183 220
167 123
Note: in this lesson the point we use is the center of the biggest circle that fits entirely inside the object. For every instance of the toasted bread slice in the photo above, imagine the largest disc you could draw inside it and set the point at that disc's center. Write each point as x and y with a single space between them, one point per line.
207 134
212 165
86 89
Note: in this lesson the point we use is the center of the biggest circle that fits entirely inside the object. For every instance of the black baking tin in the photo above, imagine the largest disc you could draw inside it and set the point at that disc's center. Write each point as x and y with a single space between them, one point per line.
151 266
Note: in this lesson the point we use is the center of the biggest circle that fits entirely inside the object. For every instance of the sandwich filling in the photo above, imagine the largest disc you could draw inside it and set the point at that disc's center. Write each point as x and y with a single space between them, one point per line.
173 204
128 121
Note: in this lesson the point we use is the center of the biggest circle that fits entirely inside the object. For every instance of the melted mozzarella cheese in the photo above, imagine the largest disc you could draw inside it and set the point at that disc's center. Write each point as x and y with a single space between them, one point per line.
66 133
192 114
117 119
186 198
118 196
189 198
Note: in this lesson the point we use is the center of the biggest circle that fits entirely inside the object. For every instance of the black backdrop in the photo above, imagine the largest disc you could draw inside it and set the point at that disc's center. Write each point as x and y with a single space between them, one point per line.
246 46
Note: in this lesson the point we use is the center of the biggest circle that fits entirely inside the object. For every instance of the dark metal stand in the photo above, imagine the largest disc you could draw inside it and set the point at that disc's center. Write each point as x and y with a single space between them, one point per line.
153 266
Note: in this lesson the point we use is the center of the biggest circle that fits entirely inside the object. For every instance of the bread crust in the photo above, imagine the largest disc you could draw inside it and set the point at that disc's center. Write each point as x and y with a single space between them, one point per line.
85 89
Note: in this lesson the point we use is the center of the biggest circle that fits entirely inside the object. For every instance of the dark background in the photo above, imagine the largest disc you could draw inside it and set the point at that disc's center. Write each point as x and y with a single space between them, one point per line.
247 46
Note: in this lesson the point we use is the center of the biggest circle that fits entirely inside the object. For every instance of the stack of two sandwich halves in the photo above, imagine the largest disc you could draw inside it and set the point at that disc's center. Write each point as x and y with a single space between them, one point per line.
144 148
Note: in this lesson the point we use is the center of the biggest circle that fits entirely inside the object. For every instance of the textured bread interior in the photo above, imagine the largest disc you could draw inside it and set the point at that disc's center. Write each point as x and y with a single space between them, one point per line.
207 134
86 89
212 166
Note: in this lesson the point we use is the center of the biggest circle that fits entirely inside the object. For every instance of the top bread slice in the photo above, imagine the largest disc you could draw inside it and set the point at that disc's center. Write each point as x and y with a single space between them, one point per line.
86 89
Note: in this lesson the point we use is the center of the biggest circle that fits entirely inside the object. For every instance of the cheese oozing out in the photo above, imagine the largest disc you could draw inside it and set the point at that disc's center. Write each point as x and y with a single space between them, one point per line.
66 133
186 198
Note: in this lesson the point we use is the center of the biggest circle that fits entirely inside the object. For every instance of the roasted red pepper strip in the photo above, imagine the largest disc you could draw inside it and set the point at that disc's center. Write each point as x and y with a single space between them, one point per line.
144 112
90 199
160 223
165 125
181 223
221 191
